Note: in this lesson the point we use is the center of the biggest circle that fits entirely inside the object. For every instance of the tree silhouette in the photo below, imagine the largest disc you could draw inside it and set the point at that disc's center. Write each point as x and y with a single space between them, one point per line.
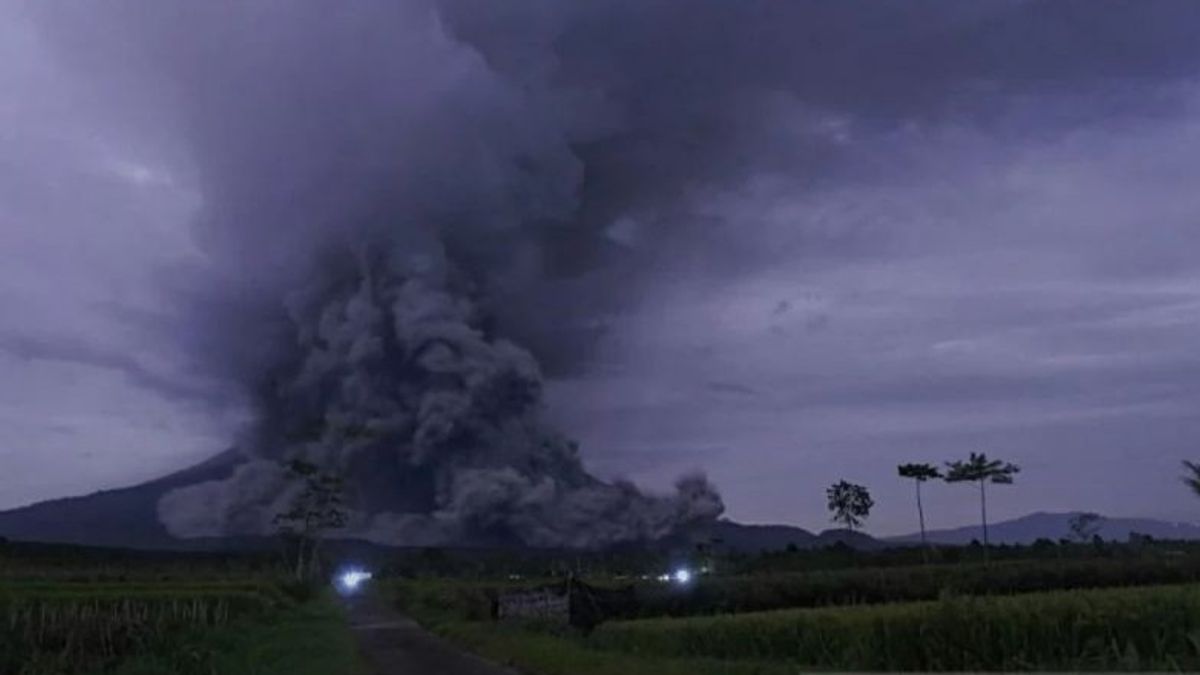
1084 526
316 508
979 469
850 503
1192 478
919 473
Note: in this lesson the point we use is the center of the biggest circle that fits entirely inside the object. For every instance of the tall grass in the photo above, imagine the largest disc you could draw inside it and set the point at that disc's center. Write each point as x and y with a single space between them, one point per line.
903 584
1131 629
75 630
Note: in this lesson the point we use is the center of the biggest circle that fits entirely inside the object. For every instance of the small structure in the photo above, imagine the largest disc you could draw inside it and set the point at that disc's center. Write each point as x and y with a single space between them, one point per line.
538 604
569 602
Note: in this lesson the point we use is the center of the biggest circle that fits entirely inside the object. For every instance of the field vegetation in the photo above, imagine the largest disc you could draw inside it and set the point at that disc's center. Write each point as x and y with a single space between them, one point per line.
1062 606
766 591
1154 628
66 611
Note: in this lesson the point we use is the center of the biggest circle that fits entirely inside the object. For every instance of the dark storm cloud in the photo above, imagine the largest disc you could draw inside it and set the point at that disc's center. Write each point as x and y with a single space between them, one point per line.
534 127
580 175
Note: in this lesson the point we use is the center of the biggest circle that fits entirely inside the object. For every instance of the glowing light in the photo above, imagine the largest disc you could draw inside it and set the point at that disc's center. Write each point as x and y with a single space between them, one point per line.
682 576
350 580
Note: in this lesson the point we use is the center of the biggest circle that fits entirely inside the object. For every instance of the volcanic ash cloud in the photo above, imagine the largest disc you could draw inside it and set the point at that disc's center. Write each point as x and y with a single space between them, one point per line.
436 424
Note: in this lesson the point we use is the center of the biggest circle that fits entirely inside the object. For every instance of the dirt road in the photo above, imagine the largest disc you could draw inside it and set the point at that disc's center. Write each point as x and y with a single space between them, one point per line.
393 644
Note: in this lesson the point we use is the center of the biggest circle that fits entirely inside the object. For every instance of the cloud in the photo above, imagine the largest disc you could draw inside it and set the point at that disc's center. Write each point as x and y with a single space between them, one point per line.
76 351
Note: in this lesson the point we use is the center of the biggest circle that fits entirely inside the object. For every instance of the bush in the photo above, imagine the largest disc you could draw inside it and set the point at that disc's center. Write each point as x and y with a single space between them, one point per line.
433 602
301 591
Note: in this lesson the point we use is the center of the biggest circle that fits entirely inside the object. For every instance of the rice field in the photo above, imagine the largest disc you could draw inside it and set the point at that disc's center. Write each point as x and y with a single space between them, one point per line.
875 585
50 628
1152 628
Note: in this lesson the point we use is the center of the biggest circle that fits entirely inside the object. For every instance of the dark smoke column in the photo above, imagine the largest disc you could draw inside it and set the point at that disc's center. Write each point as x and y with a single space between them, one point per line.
435 423
385 192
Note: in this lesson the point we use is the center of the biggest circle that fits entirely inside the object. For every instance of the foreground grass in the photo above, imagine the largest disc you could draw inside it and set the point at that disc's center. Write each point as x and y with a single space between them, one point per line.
550 654
1151 628
311 639
1139 629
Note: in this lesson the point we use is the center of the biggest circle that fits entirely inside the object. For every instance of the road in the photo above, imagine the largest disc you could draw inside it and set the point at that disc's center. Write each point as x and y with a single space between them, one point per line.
393 644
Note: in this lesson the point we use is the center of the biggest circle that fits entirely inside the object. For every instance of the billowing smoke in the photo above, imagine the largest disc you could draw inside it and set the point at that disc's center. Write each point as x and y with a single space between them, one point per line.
410 209
379 194
396 384
407 206
385 213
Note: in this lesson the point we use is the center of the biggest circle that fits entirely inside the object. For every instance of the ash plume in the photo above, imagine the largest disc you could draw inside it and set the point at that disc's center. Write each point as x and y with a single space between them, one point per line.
409 209
385 214
396 384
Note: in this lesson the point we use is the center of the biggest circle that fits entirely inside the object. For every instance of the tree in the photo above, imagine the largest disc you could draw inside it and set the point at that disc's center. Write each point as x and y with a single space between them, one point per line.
1084 526
850 503
979 469
1192 477
919 473
318 507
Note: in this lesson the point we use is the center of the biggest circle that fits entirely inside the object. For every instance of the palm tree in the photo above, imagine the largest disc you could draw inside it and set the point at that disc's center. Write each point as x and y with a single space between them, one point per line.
919 473
979 469
1192 479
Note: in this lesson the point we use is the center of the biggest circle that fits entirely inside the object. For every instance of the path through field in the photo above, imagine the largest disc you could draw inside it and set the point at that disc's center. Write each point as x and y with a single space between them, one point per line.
394 644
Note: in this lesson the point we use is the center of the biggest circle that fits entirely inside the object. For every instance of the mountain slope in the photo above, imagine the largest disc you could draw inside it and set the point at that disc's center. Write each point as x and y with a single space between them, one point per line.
128 518
125 517
1055 526
755 538
734 536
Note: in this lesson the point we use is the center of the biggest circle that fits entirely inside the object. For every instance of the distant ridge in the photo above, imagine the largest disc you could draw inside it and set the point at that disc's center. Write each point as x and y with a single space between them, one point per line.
128 518
121 518
757 538
1054 526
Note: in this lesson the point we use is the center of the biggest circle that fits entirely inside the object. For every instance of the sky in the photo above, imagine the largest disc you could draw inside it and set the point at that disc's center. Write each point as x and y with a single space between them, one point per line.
858 239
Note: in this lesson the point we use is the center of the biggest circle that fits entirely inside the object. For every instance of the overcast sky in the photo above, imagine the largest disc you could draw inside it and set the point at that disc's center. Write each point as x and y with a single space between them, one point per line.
1013 272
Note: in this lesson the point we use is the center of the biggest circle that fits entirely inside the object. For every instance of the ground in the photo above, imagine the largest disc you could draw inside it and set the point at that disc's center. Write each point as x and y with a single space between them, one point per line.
393 644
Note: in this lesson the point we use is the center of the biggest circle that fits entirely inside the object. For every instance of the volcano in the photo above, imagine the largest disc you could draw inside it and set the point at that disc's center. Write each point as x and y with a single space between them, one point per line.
125 517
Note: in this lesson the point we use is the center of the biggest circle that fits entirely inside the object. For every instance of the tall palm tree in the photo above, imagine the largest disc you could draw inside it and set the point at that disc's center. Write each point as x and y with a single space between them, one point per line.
1192 478
919 473
979 469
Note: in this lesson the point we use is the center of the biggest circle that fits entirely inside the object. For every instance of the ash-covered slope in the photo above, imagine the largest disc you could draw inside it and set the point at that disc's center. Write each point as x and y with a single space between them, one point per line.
125 517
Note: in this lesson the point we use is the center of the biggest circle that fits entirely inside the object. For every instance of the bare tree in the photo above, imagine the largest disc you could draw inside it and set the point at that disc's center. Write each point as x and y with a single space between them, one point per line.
316 509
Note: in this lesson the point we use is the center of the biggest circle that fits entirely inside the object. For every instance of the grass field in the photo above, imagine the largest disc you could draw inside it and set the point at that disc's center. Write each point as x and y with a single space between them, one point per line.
310 639
1153 628
765 591
180 627
224 617
1137 626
